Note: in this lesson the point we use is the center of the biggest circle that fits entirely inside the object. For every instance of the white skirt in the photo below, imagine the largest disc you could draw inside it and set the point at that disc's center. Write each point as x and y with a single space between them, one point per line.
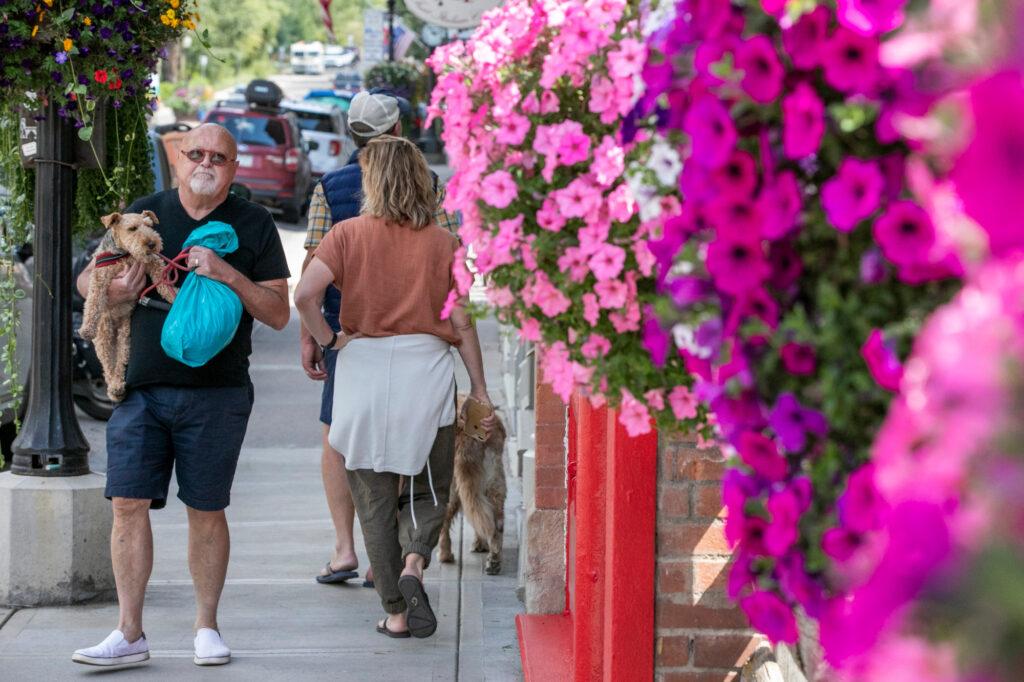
391 395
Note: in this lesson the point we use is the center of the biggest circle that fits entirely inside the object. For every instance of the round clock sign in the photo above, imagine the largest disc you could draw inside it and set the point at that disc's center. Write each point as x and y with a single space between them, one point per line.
451 13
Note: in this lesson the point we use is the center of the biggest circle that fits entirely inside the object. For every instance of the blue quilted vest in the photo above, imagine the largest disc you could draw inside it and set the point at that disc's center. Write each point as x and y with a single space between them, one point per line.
343 190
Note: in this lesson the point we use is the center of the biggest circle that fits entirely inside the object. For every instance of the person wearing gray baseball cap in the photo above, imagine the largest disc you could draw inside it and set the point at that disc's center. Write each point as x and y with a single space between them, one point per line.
337 197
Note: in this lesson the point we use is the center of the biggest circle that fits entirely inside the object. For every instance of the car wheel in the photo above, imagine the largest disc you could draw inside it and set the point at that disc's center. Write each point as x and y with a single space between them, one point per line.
291 213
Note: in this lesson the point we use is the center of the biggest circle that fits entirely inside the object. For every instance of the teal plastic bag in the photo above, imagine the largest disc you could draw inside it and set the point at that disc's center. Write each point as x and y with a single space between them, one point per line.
206 313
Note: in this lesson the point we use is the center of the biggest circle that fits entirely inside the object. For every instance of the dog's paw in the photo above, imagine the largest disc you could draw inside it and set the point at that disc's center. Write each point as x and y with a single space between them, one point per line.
446 557
480 547
493 567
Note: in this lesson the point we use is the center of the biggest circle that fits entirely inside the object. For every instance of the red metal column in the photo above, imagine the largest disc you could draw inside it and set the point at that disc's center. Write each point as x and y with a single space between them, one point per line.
629 560
588 603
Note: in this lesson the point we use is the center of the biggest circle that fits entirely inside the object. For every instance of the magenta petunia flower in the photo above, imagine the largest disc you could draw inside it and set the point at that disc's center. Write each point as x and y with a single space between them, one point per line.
770 615
792 422
860 507
780 204
853 194
989 174
870 17
851 61
656 340
736 262
804 41
783 529
785 263
840 543
872 267
803 122
499 189
762 72
762 455
738 176
798 358
906 234
711 128
883 363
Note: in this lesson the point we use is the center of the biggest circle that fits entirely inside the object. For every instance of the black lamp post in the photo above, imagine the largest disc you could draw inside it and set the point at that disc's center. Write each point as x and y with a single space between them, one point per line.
51 442
391 30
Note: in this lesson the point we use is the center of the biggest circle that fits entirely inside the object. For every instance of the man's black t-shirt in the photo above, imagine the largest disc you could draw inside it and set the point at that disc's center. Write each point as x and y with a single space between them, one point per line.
260 257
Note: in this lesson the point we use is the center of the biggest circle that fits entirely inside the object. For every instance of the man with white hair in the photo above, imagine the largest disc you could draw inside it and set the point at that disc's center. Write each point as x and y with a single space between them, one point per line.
189 419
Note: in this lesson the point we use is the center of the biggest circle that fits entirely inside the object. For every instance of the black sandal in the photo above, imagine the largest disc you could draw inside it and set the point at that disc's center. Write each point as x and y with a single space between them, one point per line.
382 628
336 576
421 618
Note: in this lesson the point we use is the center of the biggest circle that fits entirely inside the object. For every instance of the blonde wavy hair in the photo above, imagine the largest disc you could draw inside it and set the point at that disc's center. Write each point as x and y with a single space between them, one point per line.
397 184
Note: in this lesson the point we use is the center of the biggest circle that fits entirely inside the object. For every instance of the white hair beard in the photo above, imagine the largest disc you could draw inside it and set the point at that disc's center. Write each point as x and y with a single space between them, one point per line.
205 185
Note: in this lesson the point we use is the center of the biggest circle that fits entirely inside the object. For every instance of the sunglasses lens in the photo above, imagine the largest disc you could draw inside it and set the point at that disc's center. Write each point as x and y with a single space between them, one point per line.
218 159
195 155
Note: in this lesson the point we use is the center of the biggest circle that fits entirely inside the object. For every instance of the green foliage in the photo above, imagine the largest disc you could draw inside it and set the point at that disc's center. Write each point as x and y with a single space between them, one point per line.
404 78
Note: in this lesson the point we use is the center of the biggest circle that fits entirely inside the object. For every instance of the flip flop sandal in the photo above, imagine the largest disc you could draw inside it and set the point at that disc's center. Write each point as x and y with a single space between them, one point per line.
339 576
369 583
421 618
382 628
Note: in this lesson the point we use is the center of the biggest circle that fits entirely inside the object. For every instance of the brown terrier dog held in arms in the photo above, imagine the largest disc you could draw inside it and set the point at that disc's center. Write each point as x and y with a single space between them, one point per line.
130 239
479 489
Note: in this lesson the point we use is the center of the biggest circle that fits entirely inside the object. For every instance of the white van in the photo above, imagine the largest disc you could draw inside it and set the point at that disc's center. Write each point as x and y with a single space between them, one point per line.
307 57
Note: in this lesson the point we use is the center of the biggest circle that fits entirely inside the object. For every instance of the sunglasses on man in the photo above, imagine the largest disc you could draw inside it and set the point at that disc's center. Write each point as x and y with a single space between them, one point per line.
197 156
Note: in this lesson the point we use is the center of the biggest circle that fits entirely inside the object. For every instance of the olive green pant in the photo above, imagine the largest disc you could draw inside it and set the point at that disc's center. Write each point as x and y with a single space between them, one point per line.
386 515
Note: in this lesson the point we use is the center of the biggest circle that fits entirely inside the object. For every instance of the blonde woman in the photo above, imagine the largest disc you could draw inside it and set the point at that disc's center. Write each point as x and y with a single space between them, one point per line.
394 413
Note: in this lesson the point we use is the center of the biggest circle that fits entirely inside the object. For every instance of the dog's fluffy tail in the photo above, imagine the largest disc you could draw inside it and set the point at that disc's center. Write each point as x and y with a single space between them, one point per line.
476 507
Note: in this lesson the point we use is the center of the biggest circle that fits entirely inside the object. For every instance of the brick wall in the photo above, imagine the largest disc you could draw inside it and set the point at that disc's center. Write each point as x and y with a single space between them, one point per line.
544 524
700 636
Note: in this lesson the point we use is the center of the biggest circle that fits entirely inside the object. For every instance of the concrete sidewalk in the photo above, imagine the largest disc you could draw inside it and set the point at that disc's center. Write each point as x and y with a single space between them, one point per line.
280 623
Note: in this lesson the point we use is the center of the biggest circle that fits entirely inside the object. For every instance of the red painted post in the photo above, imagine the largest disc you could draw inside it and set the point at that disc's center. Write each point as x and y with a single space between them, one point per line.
588 602
632 491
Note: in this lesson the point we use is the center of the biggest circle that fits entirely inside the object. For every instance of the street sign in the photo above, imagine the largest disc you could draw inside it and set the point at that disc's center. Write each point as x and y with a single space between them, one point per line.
451 13
374 22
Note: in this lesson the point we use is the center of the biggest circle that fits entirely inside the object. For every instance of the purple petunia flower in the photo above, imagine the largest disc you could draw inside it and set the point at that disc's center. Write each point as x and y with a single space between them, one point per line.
106 33
60 57
792 422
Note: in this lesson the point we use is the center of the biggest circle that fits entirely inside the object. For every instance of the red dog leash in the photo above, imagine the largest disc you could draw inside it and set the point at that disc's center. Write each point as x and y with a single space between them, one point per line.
169 275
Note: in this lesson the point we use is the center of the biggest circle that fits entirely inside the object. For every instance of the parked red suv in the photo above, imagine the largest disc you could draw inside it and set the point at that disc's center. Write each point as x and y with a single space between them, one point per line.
273 161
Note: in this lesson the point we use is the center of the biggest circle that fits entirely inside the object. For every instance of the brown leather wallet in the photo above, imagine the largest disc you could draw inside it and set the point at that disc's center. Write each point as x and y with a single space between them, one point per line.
474 412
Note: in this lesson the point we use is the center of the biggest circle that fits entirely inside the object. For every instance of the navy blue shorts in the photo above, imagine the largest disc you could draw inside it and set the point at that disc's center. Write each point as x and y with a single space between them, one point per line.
197 432
332 315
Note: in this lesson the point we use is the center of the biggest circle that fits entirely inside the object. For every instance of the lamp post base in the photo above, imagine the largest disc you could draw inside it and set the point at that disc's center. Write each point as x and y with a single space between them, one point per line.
54 540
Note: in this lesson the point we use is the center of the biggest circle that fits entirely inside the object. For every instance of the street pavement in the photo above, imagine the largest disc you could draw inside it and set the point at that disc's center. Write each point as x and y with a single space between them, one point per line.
280 623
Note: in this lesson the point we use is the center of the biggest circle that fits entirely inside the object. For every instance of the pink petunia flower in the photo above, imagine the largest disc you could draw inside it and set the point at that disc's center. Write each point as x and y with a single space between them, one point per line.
499 189
798 358
549 217
578 199
628 60
547 297
803 122
853 194
575 262
762 72
591 309
906 234
870 17
596 346
683 402
633 415
804 41
513 130
851 61
882 361
612 294
573 148
607 262
711 128
609 161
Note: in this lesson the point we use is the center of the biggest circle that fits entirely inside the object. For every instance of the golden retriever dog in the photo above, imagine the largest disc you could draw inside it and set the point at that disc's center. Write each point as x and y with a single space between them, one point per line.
478 489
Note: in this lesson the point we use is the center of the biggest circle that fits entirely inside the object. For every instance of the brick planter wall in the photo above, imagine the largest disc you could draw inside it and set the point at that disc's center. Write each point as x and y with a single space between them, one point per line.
544 527
700 636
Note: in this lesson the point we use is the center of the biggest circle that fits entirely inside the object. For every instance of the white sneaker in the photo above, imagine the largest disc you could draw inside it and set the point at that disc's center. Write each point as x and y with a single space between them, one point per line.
114 652
210 648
